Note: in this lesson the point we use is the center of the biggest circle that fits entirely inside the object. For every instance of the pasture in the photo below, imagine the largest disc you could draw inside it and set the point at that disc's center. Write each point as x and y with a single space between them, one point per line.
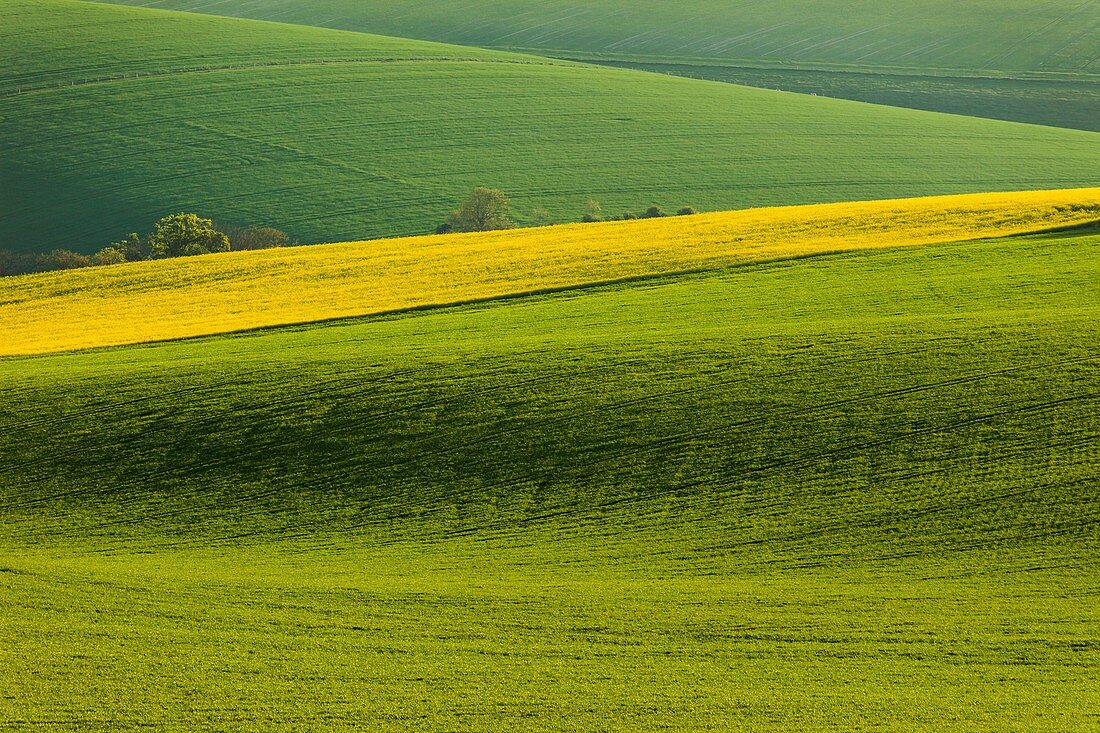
1017 60
115 116
1050 36
854 491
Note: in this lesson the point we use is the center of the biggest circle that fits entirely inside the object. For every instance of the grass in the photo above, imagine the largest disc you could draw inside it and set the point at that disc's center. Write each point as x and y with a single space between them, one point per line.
216 294
1011 35
1060 102
853 492
1019 60
111 117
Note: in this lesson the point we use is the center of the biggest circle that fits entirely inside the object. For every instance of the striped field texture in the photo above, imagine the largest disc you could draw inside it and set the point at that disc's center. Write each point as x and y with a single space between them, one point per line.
151 301
855 492
111 117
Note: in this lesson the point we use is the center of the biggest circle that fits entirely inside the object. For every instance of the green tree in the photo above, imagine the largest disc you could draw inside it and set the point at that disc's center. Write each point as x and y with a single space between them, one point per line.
592 211
485 210
133 247
112 255
261 237
181 235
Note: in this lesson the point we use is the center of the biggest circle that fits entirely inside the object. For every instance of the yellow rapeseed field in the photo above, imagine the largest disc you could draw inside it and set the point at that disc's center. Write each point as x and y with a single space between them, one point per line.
148 301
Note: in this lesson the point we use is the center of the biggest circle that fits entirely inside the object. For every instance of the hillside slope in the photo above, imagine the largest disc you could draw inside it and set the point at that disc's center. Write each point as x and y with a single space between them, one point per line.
989 35
1060 101
1017 60
806 495
708 381
152 301
387 141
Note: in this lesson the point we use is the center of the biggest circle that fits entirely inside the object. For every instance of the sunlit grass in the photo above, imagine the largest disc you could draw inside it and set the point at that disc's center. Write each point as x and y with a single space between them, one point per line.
112 117
853 492
215 294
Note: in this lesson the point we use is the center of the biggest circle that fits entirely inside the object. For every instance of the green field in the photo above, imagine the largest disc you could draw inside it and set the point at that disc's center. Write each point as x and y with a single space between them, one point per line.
1017 59
822 469
1068 102
851 492
111 117
1006 35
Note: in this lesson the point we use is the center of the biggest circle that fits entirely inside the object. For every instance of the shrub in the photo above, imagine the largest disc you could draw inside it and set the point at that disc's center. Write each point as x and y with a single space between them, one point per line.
177 235
485 210
133 247
182 235
62 259
263 237
687 211
653 212
542 217
112 255
592 212
16 263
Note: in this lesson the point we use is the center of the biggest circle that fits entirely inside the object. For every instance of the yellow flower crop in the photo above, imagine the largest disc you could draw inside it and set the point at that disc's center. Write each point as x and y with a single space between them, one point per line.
167 299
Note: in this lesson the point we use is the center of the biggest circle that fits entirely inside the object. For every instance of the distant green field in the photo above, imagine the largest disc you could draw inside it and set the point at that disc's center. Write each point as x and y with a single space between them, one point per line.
855 492
1070 102
1017 60
238 120
1007 35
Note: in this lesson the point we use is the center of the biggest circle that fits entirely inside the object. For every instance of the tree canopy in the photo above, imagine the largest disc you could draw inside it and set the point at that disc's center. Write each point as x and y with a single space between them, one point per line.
486 209
180 235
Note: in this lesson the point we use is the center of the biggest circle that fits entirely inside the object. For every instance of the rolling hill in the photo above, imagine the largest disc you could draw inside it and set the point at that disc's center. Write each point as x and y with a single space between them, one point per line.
1003 35
242 290
1070 101
1018 60
816 494
112 116
829 462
